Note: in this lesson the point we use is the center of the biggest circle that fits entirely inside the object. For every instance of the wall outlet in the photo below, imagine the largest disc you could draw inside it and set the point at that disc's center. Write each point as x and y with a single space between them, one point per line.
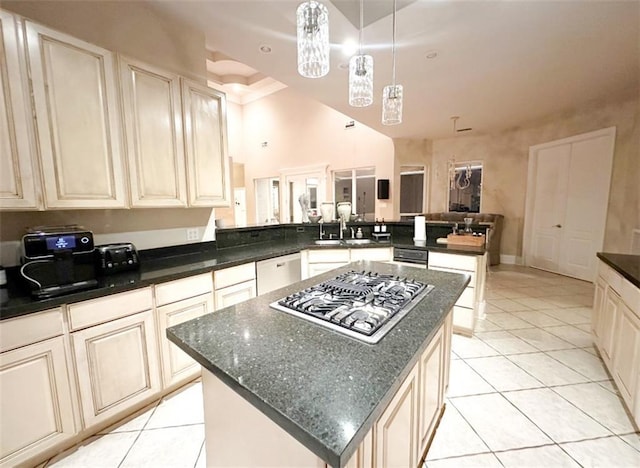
193 234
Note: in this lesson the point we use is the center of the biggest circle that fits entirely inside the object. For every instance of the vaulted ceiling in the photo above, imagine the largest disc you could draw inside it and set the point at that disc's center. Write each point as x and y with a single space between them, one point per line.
496 64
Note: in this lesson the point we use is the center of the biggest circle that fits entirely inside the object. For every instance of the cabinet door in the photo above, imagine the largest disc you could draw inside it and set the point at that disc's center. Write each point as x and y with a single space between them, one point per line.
235 294
78 120
117 366
153 124
432 383
608 320
626 357
363 457
205 123
598 304
177 366
35 400
17 176
396 430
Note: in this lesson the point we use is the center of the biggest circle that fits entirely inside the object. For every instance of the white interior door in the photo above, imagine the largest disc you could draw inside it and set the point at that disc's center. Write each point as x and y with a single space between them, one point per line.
240 206
552 172
567 199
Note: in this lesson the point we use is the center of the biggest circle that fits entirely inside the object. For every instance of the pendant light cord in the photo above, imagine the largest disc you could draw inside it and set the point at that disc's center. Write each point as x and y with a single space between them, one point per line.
361 26
393 46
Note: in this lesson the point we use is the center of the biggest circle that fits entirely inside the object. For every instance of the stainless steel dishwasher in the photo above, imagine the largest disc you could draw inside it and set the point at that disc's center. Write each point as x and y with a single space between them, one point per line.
278 272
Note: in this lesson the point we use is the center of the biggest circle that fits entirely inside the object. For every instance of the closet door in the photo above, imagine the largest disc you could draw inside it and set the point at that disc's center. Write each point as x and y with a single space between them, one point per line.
567 199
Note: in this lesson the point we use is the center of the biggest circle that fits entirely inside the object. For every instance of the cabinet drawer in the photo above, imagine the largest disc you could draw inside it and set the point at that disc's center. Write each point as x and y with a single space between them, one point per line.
329 256
467 298
374 255
457 262
612 277
234 275
184 288
463 320
87 313
22 331
472 274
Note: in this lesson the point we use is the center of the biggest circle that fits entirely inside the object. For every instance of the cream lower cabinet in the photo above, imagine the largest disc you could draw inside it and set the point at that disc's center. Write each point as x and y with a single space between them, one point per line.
616 332
405 429
176 302
117 360
18 180
470 304
317 261
234 285
35 401
396 432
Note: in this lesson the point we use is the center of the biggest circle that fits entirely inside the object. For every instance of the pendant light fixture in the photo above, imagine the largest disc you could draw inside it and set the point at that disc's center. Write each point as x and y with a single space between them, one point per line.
392 94
361 73
313 39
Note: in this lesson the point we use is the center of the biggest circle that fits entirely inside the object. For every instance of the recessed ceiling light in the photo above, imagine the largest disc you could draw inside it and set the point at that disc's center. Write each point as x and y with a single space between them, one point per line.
265 49
431 54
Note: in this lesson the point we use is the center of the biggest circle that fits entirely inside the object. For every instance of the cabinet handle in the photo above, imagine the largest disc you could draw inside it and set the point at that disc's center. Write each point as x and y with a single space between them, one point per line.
558 225
278 265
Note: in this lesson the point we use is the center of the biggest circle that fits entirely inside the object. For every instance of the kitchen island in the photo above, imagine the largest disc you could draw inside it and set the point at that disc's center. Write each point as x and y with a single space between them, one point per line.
282 391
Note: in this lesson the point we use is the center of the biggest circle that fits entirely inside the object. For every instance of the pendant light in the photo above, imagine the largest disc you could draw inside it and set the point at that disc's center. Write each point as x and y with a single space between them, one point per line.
313 39
361 73
392 94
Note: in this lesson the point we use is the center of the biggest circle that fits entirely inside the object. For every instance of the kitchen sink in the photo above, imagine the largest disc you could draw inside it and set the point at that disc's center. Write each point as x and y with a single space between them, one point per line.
357 241
327 242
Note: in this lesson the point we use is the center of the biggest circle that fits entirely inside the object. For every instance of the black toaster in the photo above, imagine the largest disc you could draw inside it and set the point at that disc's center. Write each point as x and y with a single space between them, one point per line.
114 258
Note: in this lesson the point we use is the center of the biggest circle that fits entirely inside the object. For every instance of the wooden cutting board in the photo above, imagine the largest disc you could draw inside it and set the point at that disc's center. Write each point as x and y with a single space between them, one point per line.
477 241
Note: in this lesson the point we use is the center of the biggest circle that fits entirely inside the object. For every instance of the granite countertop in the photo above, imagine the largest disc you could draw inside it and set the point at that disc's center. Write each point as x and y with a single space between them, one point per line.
627 265
323 388
173 267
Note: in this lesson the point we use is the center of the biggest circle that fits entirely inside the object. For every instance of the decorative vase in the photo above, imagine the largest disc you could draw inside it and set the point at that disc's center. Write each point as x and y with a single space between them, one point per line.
344 210
327 210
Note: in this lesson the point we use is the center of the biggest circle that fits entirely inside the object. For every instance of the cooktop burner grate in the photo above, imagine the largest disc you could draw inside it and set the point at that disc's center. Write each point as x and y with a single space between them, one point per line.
363 305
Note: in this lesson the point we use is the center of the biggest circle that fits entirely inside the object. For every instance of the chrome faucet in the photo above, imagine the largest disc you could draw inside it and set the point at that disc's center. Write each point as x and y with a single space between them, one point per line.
343 226
353 233
321 231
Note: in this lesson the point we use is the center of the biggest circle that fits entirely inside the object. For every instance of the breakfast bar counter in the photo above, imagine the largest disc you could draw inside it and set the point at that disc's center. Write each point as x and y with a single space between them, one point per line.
323 392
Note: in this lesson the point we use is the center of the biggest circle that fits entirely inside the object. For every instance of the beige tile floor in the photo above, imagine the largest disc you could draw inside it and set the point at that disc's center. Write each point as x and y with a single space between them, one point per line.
529 390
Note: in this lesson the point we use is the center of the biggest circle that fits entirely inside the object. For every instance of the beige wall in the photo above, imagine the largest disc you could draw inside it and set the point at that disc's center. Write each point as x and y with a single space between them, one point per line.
301 132
410 152
128 27
505 157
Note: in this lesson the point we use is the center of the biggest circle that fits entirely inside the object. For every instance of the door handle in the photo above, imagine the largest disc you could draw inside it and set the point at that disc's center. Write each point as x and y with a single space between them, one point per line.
278 265
558 225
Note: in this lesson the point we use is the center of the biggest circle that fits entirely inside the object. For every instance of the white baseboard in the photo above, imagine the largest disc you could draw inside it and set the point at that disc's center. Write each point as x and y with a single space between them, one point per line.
511 260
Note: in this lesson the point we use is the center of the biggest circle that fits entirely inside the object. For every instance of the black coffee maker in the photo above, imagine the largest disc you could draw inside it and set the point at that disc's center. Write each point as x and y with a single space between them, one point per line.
58 260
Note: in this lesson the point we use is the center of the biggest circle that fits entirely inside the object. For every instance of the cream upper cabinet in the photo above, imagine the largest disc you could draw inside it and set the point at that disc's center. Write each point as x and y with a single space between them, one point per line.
153 135
78 120
208 177
18 183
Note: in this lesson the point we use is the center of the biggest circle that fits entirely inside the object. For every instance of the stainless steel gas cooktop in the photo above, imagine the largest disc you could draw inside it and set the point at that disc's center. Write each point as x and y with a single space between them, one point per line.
363 305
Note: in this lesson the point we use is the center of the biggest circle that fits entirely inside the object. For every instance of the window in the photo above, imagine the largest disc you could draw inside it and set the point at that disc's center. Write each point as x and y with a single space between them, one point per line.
358 187
465 186
412 190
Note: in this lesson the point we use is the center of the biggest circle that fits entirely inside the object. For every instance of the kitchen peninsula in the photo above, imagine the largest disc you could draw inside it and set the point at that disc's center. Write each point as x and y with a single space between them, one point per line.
281 391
